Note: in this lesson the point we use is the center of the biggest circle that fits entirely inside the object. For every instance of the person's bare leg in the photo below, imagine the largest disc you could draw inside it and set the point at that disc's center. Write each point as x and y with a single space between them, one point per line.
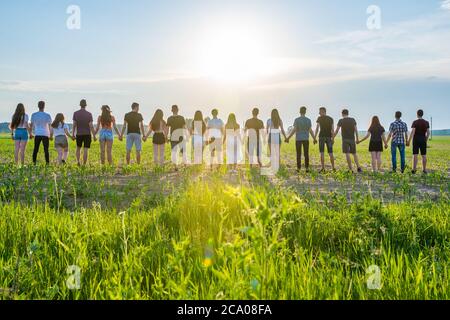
85 156
138 157
162 149
102 152
356 158
424 163
379 163
22 148
349 161
374 161
129 157
322 160
415 161
65 155
60 155
332 161
109 145
78 155
16 152
155 154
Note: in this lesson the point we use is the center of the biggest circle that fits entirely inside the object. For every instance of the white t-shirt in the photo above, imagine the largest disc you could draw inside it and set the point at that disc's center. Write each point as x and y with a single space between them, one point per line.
60 131
22 125
215 127
41 122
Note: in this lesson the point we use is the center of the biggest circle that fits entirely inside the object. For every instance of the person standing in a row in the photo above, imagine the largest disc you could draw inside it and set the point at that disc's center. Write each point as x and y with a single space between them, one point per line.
398 131
20 131
254 126
349 132
133 125
326 126
41 126
376 132
160 132
106 122
83 131
419 135
61 132
177 124
302 130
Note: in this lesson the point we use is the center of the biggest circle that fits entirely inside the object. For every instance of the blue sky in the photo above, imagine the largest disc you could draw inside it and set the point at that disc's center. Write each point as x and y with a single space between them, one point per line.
232 55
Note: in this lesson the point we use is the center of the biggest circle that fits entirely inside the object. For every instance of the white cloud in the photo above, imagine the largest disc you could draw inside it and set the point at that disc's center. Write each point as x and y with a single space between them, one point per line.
445 4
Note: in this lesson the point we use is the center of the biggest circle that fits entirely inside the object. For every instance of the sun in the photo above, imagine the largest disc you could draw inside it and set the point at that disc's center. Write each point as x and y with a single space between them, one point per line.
232 53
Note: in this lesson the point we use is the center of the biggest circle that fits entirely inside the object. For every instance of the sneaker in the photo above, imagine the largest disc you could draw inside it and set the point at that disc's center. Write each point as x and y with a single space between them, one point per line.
413 171
360 170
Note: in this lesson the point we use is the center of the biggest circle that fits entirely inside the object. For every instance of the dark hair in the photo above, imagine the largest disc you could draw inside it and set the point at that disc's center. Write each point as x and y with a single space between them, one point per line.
199 117
134 106
303 110
83 103
375 123
106 117
157 119
323 109
255 112
398 115
420 113
59 119
41 105
345 112
175 108
275 117
215 112
231 122
19 116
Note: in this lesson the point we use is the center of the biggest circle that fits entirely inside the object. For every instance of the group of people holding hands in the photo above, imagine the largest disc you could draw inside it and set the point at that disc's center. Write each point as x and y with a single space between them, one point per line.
215 133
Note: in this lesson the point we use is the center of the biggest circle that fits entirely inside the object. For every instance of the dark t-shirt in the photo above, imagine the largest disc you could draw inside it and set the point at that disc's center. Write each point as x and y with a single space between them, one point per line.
133 120
83 118
376 133
421 127
348 128
175 123
326 125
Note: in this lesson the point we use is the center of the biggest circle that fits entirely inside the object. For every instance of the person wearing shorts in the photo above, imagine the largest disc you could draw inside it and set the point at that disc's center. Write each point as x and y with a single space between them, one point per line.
82 131
376 132
134 127
326 126
419 135
105 124
160 132
349 132
20 132
61 132
178 134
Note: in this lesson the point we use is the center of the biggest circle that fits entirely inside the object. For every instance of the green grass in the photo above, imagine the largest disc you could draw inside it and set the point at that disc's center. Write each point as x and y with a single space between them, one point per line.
142 232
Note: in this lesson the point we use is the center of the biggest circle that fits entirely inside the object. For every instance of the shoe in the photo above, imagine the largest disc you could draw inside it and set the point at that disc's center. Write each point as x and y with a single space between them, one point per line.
322 171
360 170
425 172
413 171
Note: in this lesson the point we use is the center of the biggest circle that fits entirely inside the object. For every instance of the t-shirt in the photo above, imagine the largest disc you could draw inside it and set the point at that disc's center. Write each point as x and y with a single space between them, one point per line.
175 123
215 127
133 120
376 133
348 128
421 127
60 131
302 125
22 125
326 125
41 124
83 118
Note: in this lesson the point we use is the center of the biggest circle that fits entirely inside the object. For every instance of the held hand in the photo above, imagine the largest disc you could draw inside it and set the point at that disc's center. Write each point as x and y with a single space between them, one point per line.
286 140
95 138
315 141
386 146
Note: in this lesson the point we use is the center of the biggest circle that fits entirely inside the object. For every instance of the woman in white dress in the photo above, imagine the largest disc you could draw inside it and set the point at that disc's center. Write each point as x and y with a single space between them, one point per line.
233 140
197 131
274 130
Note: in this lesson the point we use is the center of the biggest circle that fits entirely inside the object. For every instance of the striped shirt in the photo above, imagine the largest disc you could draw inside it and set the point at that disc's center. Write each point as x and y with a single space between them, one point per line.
398 130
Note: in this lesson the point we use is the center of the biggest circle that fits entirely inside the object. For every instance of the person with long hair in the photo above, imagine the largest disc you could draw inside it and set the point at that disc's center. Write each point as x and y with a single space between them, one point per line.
274 130
105 124
20 131
61 132
197 131
160 132
376 132
233 140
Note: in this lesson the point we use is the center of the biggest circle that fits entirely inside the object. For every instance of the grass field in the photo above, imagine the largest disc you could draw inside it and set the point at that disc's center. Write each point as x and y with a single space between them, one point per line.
142 232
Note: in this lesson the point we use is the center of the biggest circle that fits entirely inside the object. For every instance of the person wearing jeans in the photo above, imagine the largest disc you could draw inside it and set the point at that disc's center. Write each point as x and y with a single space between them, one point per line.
302 130
398 131
41 126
